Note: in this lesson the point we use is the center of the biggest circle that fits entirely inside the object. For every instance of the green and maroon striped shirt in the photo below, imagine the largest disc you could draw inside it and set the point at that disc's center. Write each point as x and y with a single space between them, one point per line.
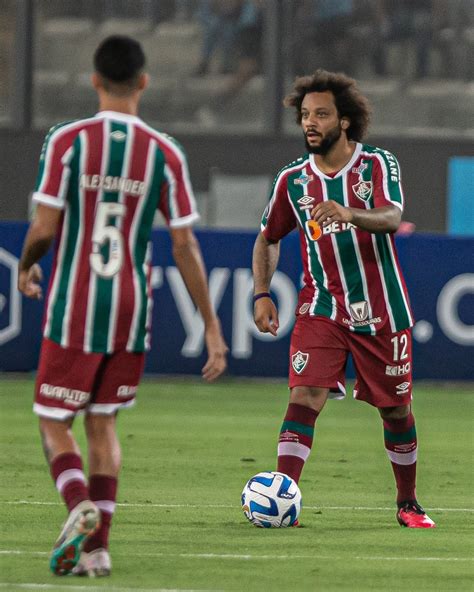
108 174
350 275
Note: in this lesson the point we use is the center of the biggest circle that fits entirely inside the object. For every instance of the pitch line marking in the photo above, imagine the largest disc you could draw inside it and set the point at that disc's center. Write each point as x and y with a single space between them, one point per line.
248 557
225 506
31 586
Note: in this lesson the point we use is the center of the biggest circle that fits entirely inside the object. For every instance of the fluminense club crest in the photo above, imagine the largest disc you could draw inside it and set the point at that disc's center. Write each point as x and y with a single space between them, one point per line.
299 361
363 190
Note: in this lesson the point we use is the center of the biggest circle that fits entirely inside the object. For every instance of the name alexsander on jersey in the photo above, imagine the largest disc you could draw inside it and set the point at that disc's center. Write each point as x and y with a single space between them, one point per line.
350 276
109 174
109 183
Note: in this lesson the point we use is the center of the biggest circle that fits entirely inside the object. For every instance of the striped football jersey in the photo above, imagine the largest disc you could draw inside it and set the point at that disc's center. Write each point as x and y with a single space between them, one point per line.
350 275
108 174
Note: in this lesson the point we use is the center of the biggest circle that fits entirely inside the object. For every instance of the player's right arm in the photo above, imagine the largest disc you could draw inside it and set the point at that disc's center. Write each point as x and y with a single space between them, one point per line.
178 207
38 239
49 195
264 263
188 258
277 221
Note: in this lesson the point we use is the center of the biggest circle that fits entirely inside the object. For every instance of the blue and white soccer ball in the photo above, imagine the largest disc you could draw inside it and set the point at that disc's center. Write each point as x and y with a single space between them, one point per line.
271 500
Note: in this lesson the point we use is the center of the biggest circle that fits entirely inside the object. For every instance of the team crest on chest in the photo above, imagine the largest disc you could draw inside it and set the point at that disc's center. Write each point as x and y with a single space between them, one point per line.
363 190
299 361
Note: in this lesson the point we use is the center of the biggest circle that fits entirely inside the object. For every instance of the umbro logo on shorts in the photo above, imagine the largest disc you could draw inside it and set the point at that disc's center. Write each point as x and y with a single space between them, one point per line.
402 389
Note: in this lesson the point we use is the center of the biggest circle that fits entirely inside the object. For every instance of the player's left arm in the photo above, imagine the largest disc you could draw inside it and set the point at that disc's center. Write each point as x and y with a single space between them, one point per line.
188 258
385 219
38 239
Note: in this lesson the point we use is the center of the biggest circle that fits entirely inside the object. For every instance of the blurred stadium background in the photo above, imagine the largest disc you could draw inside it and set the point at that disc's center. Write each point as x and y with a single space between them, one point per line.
219 72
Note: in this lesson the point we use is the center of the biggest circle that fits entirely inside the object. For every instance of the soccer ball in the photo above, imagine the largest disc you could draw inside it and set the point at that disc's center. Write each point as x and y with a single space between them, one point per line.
271 500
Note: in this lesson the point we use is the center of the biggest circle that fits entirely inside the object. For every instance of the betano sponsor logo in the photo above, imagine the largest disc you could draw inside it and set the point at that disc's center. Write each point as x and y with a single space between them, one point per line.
112 184
315 232
72 397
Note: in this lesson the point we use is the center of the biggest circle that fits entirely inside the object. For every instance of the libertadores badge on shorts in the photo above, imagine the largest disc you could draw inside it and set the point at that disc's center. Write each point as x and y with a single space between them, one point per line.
299 361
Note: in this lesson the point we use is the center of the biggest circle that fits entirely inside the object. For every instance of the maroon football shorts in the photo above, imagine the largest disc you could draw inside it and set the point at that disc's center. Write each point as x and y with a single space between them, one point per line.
70 380
318 356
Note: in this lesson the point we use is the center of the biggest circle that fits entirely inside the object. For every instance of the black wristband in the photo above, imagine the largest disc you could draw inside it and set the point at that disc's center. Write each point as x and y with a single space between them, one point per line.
261 295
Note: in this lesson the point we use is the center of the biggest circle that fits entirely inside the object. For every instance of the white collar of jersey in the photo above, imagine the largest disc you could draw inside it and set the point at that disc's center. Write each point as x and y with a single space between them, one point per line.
343 171
117 116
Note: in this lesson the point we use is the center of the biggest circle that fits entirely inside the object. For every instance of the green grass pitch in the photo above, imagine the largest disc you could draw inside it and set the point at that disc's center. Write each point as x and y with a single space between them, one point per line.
188 449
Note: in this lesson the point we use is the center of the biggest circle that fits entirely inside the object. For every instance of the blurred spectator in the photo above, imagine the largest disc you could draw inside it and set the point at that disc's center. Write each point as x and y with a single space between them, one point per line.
221 20
247 49
323 38
454 38
409 24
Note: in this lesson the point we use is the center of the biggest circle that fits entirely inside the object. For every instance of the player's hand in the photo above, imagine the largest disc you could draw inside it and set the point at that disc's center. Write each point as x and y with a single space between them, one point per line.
265 315
29 282
216 352
327 212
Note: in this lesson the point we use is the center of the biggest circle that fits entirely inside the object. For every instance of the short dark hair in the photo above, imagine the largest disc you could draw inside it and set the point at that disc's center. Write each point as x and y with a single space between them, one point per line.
120 60
350 102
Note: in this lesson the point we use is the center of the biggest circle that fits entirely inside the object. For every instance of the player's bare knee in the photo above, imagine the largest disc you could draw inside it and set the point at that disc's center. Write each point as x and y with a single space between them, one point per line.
55 435
99 426
399 412
53 427
313 397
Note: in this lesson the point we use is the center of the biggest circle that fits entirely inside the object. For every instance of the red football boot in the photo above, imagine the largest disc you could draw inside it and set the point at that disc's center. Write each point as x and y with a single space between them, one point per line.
412 515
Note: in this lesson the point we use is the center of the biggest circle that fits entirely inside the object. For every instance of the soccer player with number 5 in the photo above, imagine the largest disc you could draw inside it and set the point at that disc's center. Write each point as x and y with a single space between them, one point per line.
100 181
346 200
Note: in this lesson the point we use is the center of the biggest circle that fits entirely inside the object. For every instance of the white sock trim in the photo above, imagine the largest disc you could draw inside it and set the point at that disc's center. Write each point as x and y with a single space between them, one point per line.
69 475
105 506
293 449
406 458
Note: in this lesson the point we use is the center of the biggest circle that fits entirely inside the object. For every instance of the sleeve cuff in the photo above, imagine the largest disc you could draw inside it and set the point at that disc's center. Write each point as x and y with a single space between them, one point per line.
184 221
48 200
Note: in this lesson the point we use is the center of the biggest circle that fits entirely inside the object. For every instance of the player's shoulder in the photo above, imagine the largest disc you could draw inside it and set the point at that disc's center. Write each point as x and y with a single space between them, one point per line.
380 152
165 141
293 166
66 127
58 128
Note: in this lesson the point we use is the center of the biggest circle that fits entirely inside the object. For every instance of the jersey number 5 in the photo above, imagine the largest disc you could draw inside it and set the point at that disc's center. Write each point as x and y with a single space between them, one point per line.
104 232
